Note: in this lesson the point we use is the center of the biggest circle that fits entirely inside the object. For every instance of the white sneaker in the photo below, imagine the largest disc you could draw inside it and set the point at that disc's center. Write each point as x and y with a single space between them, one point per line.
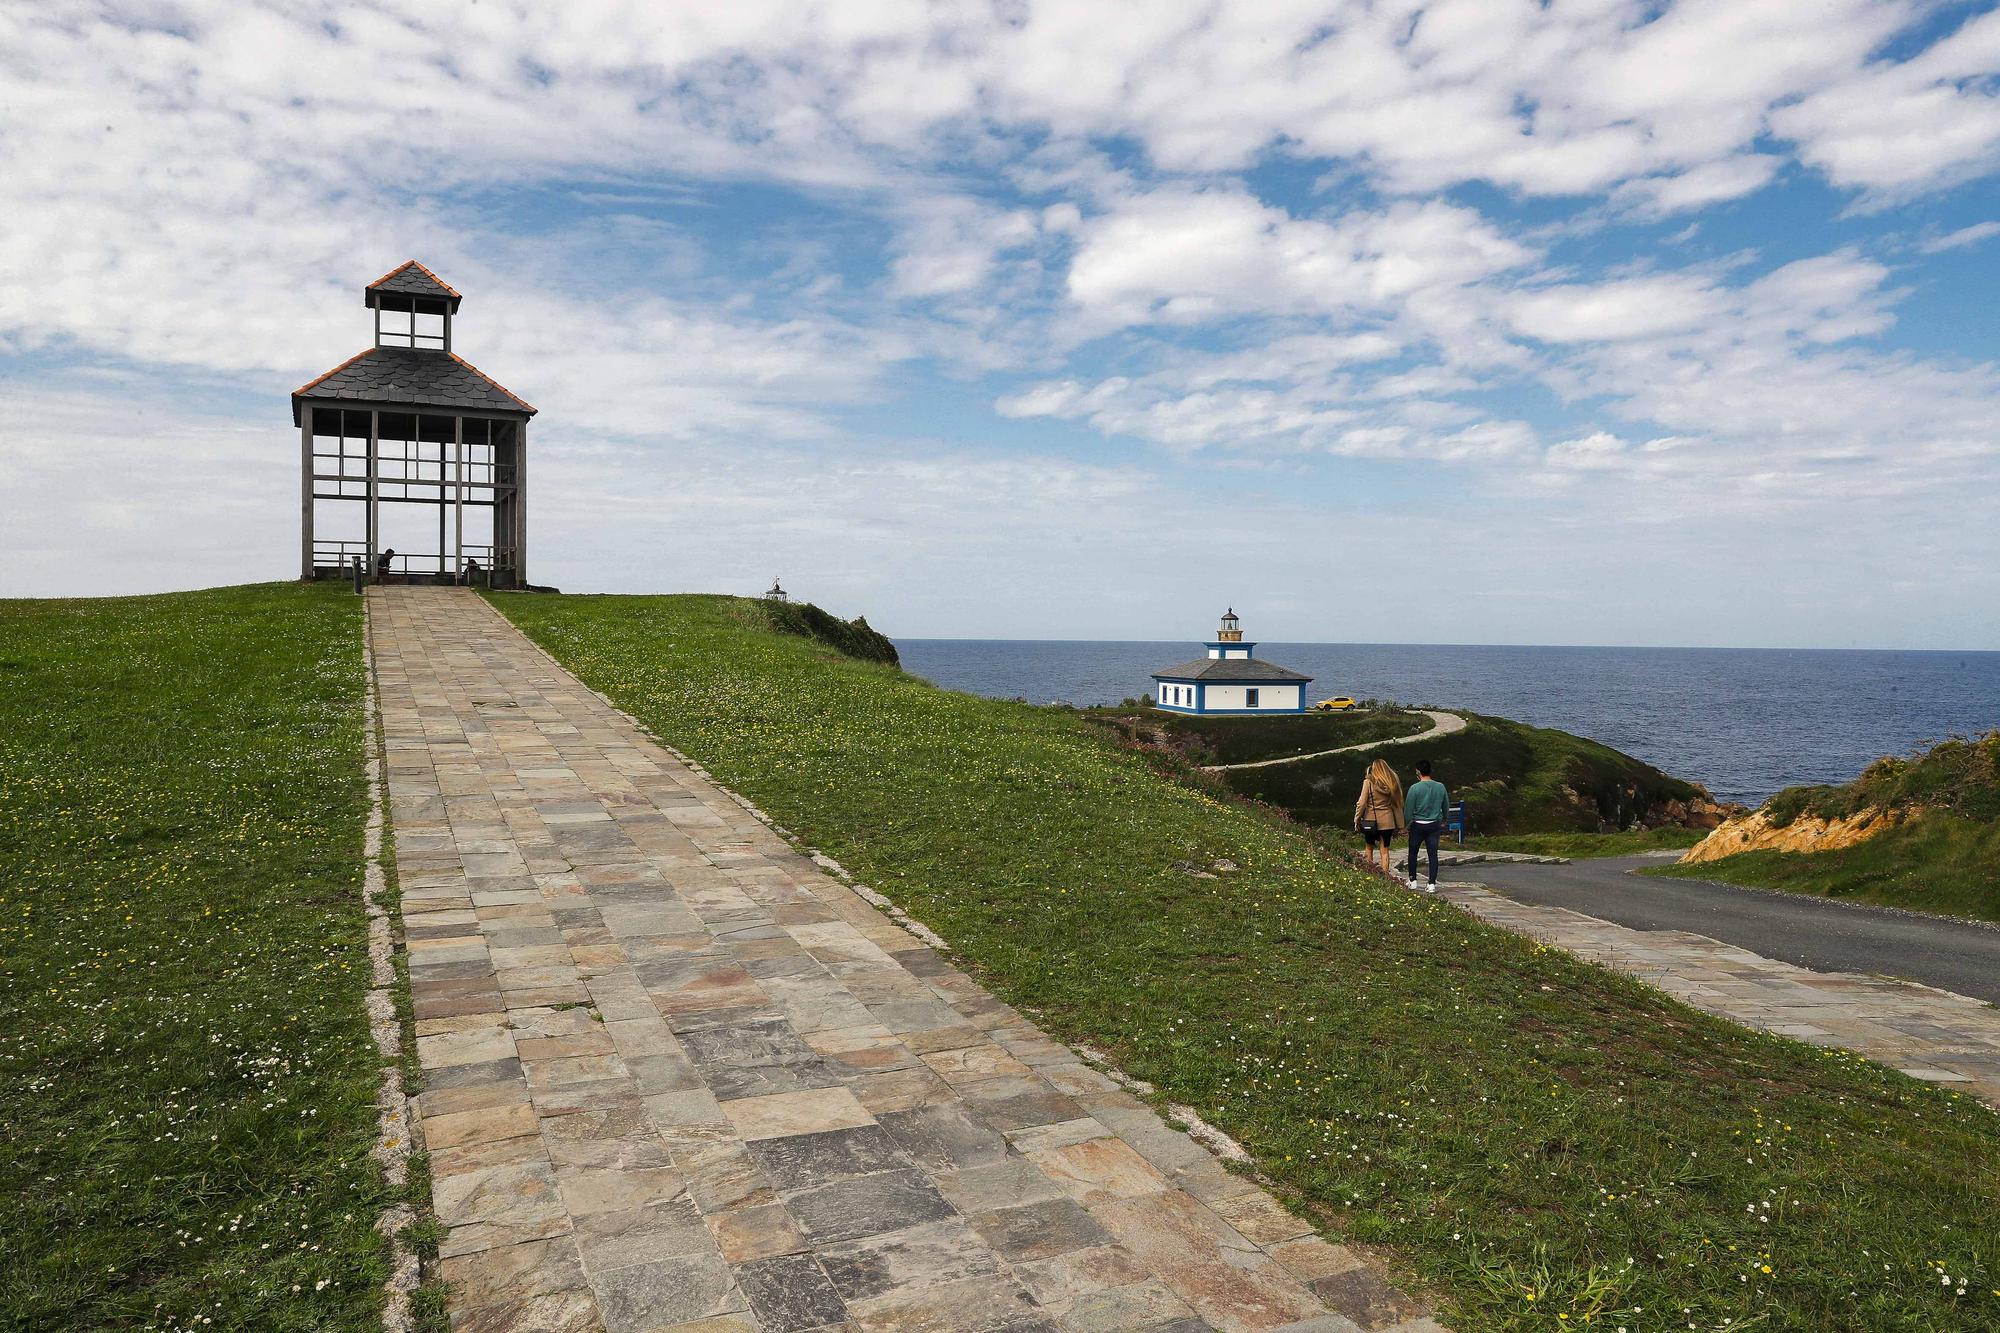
1430 887
1413 884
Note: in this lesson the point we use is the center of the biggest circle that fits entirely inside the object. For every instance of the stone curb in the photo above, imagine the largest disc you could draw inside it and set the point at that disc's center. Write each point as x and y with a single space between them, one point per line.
395 1126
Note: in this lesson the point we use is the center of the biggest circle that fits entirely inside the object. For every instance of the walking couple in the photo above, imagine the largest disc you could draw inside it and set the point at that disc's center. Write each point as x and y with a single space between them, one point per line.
1383 807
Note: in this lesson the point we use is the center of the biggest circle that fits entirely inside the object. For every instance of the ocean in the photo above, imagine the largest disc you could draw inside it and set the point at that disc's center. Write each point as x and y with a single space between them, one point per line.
1744 722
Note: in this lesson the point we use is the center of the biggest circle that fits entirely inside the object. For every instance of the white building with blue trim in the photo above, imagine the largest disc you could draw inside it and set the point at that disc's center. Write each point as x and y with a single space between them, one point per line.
1231 679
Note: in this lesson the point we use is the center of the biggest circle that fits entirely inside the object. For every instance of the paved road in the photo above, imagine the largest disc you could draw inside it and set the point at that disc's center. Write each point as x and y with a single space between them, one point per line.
1442 724
1819 933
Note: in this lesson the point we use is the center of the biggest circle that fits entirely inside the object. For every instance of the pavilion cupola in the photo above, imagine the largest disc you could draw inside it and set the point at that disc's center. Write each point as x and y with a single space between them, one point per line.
413 308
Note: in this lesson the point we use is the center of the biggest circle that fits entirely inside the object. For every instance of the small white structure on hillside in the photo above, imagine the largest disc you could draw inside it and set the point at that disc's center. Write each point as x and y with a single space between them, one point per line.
1231 679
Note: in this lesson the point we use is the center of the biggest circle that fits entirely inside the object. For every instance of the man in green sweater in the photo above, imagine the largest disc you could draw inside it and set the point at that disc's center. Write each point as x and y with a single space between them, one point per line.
1424 804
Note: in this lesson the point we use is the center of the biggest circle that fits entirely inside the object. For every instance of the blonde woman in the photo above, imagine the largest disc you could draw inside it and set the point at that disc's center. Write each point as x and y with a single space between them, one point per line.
1378 812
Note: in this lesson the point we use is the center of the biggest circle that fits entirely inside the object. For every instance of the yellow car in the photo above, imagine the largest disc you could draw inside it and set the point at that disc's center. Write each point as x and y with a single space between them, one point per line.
1338 704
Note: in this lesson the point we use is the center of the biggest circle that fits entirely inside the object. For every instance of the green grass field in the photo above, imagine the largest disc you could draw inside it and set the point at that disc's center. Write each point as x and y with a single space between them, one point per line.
186 1074
1545 1144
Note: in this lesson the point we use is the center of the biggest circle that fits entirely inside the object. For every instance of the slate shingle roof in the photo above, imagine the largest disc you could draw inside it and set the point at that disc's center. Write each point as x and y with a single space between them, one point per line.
412 279
413 378
1252 670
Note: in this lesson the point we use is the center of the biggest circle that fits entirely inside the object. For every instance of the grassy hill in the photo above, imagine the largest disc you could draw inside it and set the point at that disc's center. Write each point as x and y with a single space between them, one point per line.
853 638
1944 855
1546 1144
186 1074
1516 778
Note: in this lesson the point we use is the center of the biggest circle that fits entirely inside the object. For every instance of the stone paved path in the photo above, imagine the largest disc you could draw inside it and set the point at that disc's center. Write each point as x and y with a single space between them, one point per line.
1944 1038
676 1077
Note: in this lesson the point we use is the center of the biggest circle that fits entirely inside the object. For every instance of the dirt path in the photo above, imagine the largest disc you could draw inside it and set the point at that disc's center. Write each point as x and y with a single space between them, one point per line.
1442 724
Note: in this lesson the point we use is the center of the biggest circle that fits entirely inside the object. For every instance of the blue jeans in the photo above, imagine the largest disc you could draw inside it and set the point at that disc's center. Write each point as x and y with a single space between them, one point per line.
1425 835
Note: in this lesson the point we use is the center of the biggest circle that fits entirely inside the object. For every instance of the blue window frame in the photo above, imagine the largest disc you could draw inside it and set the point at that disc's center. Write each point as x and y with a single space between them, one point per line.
1250 698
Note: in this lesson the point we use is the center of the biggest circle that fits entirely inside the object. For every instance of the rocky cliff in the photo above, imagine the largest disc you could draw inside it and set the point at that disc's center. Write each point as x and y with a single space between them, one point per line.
1757 832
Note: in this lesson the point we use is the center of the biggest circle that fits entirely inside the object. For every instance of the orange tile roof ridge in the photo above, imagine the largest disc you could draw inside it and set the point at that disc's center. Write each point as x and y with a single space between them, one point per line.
411 263
528 406
315 382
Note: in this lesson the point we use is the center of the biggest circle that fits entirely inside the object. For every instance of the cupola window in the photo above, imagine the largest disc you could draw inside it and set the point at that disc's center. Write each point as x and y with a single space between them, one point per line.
411 321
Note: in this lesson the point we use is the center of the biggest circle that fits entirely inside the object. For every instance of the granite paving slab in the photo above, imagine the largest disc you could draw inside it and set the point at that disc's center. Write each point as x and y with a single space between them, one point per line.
678 1076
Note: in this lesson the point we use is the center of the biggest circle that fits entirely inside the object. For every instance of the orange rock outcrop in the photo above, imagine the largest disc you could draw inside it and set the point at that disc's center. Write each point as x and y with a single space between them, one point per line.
1755 832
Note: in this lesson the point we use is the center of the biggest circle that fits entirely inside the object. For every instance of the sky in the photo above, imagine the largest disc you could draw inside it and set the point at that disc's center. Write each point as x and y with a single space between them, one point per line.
1572 322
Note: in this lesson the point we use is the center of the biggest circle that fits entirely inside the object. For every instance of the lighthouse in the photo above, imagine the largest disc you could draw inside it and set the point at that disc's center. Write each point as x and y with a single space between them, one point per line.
1230 679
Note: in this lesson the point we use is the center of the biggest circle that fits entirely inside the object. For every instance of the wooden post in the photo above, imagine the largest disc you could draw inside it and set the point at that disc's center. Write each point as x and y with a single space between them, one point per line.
521 503
374 426
457 494
306 492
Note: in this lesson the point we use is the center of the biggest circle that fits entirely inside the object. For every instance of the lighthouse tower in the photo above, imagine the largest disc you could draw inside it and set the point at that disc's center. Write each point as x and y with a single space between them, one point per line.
1228 640
1231 679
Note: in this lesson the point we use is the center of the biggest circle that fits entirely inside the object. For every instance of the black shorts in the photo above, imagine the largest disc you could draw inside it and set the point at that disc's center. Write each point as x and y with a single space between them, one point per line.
1380 837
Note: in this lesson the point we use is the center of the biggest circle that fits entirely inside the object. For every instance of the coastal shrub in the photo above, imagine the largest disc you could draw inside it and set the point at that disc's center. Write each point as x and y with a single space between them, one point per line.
853 638
1959 775
1213 739
1516 778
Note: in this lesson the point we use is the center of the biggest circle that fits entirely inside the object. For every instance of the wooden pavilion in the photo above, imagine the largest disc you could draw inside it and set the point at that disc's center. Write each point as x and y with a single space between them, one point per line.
409 422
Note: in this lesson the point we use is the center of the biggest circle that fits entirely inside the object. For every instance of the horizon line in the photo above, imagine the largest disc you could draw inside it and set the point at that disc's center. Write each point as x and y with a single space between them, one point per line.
1358 643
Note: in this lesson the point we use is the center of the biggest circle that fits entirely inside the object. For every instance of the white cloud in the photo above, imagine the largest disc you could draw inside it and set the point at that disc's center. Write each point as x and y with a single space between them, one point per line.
1746 397
1958 240
1292 358
949 245
1179 256
1698 187
1288 399
1597 450
128 149
199 503
1609 311
1896 128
